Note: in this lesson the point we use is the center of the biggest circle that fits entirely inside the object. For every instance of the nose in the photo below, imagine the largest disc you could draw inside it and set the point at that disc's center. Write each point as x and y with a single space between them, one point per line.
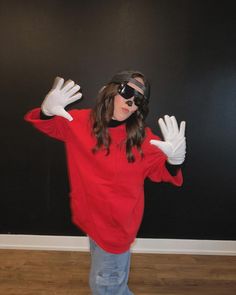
129 103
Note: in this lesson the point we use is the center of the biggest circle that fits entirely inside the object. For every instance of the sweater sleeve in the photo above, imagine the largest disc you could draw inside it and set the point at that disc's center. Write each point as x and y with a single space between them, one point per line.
56 127
156 166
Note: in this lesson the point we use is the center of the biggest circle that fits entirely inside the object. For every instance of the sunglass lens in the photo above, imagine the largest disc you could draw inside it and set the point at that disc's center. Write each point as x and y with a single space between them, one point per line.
127 91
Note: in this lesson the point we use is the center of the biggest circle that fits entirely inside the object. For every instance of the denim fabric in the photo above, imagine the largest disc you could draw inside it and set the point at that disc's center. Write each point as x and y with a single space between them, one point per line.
109 272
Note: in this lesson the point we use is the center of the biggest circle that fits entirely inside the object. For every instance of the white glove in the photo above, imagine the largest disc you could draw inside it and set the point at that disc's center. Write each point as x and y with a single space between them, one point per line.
59 97
174 145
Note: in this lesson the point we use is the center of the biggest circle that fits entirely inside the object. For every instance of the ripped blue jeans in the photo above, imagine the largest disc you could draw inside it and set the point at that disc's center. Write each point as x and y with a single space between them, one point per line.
109 272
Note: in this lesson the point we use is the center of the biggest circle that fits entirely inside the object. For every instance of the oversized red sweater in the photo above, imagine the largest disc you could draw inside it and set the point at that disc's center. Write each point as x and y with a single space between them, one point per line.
107 192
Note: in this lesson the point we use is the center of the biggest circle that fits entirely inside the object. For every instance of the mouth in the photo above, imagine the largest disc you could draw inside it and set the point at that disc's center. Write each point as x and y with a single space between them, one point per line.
125 111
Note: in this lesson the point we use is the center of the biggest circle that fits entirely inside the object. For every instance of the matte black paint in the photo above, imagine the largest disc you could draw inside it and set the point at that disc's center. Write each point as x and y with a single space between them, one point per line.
186 48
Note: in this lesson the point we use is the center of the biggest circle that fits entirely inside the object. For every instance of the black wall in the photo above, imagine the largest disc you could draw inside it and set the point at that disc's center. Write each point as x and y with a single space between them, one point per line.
186 48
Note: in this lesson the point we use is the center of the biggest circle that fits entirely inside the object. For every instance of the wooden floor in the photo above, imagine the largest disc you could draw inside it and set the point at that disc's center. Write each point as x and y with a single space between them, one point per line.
66 273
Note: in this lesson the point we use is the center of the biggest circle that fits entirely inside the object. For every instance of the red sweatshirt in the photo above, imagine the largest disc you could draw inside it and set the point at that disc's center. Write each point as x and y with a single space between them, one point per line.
107 192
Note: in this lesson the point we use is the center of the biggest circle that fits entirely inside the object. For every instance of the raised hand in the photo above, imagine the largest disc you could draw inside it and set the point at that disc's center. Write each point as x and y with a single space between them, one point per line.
174 144
59 97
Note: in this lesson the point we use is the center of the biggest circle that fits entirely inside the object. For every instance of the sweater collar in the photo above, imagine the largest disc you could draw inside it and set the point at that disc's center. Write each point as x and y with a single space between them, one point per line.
115 123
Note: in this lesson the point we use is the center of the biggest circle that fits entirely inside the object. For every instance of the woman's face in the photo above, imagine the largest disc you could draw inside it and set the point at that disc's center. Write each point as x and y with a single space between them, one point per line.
122 109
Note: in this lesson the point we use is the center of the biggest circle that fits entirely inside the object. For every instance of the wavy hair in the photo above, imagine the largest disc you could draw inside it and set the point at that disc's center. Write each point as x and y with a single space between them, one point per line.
102 114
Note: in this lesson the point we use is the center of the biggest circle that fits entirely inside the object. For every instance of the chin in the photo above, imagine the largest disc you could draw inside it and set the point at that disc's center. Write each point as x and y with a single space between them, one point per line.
120 118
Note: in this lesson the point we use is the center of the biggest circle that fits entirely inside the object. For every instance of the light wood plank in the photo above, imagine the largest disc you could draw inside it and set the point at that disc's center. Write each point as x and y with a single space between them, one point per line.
66 273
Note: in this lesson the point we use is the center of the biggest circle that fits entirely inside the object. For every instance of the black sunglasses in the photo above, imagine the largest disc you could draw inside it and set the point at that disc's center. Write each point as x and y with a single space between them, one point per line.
127 92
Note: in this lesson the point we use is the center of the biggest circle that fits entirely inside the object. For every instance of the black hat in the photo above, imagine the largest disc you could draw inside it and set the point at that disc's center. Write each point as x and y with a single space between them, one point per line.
128 76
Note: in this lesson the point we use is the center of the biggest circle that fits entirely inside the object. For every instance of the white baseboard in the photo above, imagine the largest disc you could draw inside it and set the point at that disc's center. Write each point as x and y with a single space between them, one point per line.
162 246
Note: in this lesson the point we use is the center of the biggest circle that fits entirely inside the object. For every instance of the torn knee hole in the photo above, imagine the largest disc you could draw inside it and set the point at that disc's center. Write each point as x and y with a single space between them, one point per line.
110 279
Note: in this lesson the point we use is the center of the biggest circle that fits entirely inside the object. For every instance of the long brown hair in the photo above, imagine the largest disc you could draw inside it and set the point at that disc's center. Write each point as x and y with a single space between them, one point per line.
102 114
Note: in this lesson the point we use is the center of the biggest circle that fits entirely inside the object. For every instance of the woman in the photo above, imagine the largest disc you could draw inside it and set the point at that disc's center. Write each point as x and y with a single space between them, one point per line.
110 152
